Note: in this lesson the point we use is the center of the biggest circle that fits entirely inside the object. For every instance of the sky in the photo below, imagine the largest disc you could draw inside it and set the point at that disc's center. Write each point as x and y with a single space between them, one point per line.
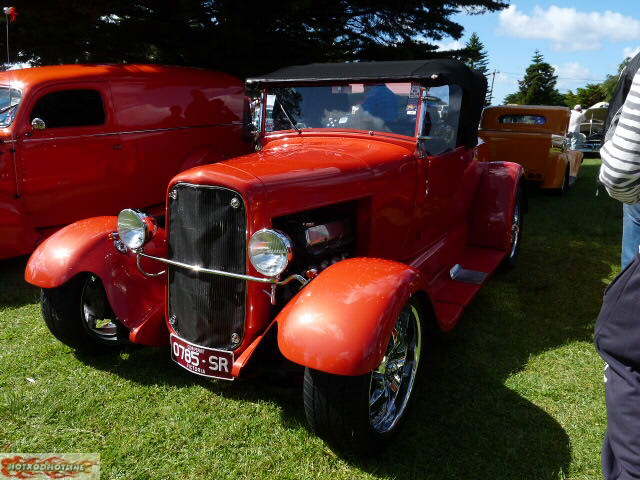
583 40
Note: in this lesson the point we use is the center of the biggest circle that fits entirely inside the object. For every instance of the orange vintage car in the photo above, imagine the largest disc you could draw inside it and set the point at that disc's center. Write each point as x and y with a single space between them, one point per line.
535 137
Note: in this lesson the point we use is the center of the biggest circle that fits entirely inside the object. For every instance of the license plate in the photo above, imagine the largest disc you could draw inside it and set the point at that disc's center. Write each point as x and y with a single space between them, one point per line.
204 361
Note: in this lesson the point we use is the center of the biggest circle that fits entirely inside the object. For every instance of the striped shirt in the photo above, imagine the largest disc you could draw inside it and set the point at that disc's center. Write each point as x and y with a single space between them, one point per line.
620 170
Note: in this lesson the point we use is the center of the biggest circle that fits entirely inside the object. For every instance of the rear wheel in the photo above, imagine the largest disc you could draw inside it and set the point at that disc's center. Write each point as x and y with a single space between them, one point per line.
79 315
359 414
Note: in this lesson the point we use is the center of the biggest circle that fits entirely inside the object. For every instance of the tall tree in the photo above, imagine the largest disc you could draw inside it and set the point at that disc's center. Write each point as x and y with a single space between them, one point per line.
239 36
539 85
478 56
587 96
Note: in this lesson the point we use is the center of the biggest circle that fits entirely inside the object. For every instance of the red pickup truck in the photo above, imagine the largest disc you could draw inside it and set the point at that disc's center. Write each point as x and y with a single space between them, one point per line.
78 141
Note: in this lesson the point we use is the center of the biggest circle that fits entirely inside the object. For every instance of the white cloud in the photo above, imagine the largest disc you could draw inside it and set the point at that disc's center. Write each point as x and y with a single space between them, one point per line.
506 79
450 45
631 52
572 75
568 28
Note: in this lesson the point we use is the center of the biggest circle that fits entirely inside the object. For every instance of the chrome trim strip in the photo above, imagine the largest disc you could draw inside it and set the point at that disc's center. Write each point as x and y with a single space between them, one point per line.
211 271
128 132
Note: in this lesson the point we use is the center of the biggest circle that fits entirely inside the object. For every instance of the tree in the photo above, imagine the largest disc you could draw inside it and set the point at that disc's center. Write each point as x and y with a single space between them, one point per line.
239 36
587 96
478 56
539 85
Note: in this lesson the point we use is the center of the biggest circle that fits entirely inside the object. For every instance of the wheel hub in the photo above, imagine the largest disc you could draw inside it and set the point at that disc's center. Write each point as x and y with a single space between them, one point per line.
392 382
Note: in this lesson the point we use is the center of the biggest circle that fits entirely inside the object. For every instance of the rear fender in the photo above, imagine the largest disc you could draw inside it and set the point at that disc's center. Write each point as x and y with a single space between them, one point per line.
342 321
555 172
494 204
17 235
86 247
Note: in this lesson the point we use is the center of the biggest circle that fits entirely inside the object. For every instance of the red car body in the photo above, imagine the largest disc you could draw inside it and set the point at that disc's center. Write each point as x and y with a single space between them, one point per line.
156 121
419 219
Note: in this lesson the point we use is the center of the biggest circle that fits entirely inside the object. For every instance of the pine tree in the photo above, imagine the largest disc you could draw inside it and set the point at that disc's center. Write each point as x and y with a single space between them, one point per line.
539 85
243 37
478 56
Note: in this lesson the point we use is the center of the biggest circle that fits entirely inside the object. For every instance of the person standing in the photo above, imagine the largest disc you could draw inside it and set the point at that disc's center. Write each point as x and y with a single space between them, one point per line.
574 125
617 332
620 170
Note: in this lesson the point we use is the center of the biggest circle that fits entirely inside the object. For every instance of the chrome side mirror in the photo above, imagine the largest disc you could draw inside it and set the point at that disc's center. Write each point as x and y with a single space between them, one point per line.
38 124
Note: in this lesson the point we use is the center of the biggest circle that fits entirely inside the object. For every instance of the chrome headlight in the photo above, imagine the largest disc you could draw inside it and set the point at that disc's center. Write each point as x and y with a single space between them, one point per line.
134 228
270 252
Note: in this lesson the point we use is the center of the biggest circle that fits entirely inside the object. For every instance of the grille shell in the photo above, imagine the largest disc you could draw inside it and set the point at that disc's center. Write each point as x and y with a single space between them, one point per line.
207 231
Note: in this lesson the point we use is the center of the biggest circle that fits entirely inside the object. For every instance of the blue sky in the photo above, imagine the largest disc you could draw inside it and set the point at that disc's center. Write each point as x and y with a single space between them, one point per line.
584 40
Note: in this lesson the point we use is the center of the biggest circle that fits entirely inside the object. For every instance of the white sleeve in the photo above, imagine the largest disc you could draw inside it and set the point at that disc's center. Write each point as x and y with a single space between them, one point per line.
620 170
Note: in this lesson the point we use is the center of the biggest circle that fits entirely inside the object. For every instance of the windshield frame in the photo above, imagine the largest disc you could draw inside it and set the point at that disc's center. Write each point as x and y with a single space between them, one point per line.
17 105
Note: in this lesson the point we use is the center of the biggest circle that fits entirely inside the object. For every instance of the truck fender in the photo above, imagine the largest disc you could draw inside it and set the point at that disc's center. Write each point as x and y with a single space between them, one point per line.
17 235
554 176
341 322
86 247
494 204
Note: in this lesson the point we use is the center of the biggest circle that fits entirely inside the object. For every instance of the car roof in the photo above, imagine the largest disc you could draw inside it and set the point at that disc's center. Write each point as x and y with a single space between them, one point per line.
528 108
439 71
88 72
557 118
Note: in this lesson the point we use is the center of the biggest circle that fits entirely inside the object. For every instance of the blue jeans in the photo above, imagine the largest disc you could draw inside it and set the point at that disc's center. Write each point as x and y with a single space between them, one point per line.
630 232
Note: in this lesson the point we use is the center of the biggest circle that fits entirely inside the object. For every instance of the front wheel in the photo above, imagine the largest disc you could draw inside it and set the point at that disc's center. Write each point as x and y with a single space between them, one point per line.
515 235
79 315
359 414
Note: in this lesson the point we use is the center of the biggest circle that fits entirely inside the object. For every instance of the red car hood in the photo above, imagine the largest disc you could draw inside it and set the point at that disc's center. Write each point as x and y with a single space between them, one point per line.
307 170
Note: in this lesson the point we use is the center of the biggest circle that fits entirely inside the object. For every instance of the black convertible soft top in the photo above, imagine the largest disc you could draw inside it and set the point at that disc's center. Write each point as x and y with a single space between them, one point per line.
434 72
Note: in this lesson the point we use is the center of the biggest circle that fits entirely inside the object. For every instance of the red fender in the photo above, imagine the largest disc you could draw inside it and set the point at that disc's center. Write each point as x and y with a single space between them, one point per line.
341 322
85 246
494 204
17 235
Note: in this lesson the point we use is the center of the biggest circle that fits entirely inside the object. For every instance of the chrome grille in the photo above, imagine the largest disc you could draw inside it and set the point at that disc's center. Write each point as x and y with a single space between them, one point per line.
207 228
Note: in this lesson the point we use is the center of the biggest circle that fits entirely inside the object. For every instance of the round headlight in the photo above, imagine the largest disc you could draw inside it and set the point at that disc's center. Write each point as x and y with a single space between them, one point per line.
133 228
270 252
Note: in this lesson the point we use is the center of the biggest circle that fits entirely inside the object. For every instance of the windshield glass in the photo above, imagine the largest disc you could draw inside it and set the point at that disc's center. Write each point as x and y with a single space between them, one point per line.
9 101
383 107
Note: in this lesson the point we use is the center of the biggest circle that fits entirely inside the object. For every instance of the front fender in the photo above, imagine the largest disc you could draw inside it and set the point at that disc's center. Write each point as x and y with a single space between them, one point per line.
84 247
341 322
494 204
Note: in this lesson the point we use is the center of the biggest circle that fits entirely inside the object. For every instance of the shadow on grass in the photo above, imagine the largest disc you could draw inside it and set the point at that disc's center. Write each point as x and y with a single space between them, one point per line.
14 291
465 422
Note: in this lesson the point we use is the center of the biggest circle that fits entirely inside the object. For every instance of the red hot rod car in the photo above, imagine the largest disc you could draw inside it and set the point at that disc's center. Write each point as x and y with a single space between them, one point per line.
78 141
364 218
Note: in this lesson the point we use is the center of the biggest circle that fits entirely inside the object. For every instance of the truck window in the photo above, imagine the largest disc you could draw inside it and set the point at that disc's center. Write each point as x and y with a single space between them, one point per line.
70 108
523 119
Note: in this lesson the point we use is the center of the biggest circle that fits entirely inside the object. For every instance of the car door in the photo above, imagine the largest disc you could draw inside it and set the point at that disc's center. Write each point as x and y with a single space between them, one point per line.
75 167
446 176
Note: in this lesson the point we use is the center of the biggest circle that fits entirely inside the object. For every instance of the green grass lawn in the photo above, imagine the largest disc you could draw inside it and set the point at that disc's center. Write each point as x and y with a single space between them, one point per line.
514 393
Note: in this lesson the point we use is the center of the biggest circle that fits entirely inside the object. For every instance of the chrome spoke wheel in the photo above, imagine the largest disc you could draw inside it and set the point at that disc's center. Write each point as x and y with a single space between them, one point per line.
392 382
516 227
95 310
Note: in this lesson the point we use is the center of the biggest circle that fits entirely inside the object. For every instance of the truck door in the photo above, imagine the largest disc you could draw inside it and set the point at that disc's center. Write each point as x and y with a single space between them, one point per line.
71 158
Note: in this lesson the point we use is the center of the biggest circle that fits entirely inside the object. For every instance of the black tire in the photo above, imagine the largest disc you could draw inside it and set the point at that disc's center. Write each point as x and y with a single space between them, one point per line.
337 407
64 312
518 215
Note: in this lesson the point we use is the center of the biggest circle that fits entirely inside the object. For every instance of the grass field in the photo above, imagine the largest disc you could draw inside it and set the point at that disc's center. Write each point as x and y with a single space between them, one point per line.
514 393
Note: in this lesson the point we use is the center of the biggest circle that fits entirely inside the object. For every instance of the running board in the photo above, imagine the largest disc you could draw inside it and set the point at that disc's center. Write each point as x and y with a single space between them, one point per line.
460 274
